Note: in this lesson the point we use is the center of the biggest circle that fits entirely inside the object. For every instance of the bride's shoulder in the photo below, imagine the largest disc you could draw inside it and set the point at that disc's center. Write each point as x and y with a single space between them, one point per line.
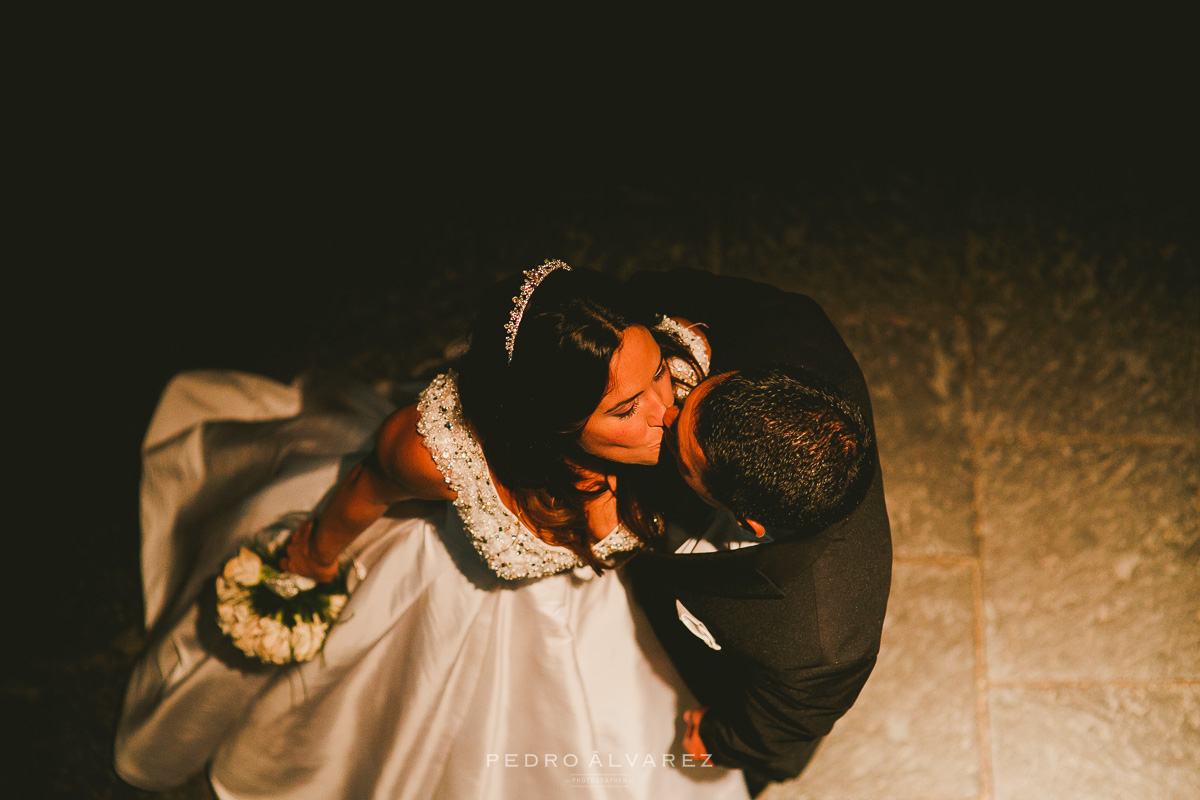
407 459
444 432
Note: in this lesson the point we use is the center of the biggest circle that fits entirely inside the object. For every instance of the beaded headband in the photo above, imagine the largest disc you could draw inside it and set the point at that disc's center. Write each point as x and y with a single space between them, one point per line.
532 278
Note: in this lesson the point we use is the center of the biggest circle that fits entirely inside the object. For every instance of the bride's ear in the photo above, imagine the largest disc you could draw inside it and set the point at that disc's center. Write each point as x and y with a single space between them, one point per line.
754 527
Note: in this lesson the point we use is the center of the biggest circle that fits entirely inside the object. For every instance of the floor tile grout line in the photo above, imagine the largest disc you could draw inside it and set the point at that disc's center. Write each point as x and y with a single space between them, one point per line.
1125 683
935 560
1027 438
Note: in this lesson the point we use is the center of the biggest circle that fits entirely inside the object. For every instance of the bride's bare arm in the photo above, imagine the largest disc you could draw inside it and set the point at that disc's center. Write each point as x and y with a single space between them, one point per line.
399 469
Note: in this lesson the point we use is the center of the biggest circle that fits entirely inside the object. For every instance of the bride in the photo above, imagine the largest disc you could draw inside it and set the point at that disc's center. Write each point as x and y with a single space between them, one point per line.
488 652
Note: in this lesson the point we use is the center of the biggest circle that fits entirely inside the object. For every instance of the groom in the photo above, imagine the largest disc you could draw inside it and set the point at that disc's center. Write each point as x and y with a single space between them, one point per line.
770 595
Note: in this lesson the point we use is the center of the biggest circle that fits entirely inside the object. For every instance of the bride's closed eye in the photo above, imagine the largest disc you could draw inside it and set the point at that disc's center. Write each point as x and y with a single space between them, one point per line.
633 407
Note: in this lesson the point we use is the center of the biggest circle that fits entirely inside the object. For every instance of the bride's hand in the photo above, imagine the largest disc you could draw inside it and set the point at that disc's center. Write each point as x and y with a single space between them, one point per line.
300 557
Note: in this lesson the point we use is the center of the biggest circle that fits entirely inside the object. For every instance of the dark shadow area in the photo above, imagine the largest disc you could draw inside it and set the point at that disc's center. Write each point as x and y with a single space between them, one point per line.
276 254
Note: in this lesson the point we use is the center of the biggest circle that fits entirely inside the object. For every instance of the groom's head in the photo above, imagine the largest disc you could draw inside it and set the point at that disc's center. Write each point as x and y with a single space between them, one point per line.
777 446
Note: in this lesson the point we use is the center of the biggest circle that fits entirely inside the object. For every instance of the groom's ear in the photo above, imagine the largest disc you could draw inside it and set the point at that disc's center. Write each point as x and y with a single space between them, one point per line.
754 527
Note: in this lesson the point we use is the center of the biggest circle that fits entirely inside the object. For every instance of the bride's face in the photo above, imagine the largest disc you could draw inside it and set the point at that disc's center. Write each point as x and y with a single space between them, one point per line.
627 425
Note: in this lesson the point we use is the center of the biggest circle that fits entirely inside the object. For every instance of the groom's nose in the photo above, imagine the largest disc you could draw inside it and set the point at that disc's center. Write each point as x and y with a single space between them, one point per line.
670 416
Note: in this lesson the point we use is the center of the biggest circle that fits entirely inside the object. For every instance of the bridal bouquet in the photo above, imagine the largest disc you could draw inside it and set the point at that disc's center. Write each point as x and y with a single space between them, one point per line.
274 616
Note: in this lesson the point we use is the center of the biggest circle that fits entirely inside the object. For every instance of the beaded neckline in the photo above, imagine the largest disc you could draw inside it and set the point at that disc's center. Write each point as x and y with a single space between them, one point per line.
508 548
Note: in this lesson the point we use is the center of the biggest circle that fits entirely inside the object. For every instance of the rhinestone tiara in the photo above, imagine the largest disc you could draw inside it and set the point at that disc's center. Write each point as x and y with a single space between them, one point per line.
532 278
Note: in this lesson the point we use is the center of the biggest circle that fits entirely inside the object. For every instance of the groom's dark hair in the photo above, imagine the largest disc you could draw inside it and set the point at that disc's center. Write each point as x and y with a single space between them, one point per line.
784 447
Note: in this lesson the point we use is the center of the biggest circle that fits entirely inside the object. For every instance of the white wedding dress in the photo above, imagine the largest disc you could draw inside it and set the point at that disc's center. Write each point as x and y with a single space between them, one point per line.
473 660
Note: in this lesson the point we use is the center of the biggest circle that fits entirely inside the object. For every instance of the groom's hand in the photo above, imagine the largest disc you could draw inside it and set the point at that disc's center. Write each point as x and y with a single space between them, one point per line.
691 737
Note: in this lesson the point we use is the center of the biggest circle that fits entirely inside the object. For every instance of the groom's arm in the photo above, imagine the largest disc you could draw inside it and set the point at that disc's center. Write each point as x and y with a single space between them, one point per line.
773 726
750 323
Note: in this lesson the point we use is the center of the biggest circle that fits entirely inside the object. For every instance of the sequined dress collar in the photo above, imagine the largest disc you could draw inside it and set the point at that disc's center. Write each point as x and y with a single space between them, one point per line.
508 548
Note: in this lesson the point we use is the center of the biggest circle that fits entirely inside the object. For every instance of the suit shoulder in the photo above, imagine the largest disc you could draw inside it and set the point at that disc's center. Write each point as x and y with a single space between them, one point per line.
852 583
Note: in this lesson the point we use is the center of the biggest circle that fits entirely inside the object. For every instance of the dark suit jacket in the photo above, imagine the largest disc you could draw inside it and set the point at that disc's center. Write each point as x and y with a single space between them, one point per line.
798 621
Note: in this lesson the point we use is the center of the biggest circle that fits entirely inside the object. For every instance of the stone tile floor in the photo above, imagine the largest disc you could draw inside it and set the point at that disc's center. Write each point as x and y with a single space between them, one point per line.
1035 368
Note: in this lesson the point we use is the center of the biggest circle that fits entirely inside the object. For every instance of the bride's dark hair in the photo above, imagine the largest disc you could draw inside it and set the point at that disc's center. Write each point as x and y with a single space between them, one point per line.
528 414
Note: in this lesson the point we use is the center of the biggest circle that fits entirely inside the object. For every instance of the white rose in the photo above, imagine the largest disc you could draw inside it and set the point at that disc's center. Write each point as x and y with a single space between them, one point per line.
336 603
225 615
242 610
275 646
228 591
245 568
234 612
246 634
245 629
306 639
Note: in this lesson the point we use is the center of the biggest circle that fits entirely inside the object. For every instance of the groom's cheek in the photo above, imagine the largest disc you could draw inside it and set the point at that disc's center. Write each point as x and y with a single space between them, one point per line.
671 416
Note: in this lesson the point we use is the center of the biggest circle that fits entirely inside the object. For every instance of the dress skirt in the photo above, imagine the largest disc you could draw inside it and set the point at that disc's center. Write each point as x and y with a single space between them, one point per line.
439 681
